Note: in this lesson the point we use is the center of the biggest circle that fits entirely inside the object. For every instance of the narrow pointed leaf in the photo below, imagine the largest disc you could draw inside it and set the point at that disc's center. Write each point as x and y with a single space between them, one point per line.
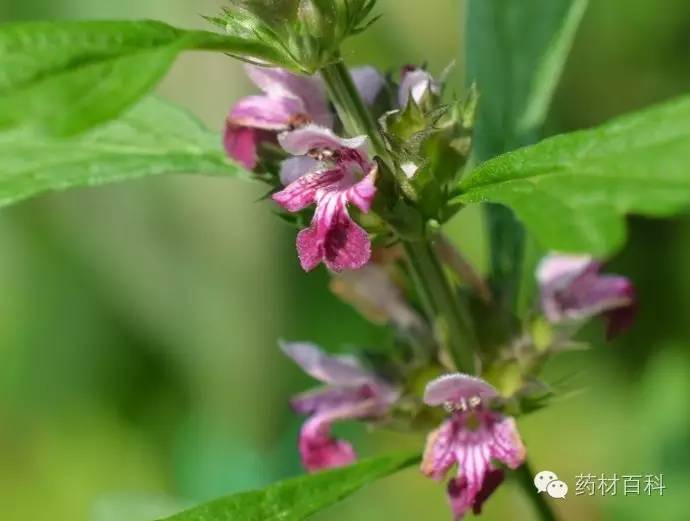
153 138
573 191
298 498
516 50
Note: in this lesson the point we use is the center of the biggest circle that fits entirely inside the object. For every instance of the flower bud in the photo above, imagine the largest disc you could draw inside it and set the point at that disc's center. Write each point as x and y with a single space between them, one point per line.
305 34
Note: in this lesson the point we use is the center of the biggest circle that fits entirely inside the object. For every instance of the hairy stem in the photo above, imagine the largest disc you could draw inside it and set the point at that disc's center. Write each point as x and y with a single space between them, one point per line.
507 239
438 296
442 304
358 120
351 109
525 478
462 267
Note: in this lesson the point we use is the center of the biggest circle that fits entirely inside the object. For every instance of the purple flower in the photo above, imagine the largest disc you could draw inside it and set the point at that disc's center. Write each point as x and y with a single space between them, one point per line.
351 392
374 293
330 172
416 82
369 82
288 101
474 437
573 290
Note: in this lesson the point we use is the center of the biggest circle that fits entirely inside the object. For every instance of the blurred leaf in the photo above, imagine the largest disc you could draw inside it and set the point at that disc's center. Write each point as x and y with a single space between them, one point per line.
152 139
516 50
297 498
515 53
65 77
133 507
573 191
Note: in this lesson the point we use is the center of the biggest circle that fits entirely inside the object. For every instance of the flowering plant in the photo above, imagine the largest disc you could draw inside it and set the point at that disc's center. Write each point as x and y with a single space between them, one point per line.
369 167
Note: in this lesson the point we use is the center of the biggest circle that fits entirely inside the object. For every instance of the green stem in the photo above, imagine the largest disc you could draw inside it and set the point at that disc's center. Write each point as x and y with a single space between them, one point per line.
525 478
351 109
358 119
436 292
441 303
507 240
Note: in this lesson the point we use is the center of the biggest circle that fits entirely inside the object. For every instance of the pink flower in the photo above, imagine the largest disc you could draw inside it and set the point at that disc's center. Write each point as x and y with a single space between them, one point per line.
288 101
369 82
330 172
351 392
374 293
573 290
416 82
474 436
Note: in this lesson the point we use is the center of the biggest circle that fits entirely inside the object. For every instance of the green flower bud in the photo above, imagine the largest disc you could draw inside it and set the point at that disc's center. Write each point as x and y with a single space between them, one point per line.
304 34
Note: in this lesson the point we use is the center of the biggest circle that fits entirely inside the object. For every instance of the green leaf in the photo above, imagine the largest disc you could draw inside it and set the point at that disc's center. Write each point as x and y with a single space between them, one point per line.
153 138
516 50
297 498
66 77
573 191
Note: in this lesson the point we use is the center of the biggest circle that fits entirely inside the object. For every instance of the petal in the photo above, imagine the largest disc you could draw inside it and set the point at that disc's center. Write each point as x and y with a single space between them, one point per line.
303 140
362 193
334 370
295 167
241 144
372 291
416 82
347 245
457 388
309 248
319 450
439 452
573 290
473 467
473 439
266 112
459 498
561 270
310 90
506 445
595 294
622 318
333 238
369 82
303 191
473 464
331 398
492 480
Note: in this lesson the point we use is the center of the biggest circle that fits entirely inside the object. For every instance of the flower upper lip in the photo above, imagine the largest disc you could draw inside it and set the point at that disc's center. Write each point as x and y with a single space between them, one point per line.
572 289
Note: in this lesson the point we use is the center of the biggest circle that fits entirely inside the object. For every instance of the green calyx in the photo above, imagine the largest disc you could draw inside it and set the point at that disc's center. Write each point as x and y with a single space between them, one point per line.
305 34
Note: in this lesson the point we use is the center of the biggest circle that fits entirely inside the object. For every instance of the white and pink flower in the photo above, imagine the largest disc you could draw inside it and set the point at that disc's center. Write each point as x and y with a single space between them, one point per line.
573 290
331 173
288 101
474 437
416 82
351 392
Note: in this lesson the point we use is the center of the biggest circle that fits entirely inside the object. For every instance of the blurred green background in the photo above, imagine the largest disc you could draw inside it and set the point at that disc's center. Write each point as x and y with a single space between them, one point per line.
139 371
